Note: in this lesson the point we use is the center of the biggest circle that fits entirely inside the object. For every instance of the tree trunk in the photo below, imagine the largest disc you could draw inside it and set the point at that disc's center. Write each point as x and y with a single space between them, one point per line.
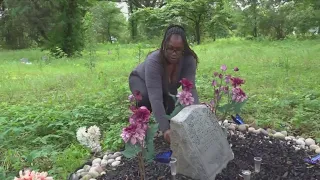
132 22
197 27
69 27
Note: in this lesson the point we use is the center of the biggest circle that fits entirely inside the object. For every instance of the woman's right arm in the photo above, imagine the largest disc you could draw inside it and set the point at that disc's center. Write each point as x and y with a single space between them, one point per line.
153 78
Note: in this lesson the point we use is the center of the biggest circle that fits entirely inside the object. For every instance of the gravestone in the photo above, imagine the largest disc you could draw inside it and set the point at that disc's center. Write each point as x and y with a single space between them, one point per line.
199 143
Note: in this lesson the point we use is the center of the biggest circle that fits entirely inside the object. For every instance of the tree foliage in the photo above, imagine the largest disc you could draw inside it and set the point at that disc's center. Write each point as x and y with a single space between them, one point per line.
60 25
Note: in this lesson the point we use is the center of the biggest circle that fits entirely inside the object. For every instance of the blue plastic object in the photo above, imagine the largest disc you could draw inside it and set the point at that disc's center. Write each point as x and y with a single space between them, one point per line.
238 120
163 157
313 160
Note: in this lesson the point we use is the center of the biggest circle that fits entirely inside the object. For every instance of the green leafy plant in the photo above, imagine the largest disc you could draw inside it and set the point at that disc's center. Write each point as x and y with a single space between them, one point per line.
138 136
112 140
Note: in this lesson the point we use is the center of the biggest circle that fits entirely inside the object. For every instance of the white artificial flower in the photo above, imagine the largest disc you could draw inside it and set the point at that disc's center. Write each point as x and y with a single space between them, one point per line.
90 138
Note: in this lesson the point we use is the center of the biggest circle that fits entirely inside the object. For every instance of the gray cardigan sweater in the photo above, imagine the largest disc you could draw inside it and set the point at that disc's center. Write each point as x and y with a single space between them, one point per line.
156 80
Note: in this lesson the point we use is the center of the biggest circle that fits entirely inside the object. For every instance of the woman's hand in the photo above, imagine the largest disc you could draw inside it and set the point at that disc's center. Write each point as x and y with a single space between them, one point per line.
166 135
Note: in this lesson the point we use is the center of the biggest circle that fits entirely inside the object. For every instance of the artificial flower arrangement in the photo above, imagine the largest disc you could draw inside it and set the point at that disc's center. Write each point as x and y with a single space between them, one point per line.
138 136
33 175
183 98
90 138
230 86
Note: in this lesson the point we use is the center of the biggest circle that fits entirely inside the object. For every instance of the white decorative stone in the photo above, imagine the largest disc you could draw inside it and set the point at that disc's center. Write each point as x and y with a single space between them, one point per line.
242 127
93 179
118 153
80 171
310 141
86 177
86 168
300 142
314 147
232 127
114 156
103 173
256 131
279 135
284 133
271 131
105 157
110 161
93 174
301 138
287 138
118 158
199 143
75 177
264 132
96 165
251 129
96 169
83 173
115 163
96 161
317 150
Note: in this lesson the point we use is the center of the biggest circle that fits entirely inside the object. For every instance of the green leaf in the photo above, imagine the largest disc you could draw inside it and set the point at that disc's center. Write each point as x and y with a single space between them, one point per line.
176 110
131 150
238 106
148 152
225 108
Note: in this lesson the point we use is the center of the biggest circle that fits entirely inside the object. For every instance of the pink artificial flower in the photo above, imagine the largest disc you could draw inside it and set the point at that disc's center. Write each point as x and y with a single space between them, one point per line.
137 95
223 67
214 83
185 98
32 175
225 89
227 78
43 176
212 102
215 74
236 69
217 91
140 115
131 98
186 84
238 95
133 133
237 81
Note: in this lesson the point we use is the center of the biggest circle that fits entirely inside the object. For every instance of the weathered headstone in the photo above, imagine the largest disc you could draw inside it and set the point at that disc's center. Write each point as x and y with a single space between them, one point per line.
199 143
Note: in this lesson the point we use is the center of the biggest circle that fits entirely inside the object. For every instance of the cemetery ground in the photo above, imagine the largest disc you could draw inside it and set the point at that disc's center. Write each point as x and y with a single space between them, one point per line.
43 104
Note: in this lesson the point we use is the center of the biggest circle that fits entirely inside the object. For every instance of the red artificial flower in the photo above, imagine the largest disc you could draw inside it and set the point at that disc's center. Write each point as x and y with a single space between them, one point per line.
237 81
186 84
140 115
236 69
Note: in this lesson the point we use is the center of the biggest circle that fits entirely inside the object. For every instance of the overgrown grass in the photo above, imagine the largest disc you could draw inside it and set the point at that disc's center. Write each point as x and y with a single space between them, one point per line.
43 104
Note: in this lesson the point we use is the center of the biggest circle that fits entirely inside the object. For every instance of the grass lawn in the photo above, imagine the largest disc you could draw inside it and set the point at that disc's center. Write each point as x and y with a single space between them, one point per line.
43 104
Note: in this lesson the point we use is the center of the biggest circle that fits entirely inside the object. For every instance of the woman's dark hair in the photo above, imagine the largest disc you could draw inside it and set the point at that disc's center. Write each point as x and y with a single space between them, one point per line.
179 30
